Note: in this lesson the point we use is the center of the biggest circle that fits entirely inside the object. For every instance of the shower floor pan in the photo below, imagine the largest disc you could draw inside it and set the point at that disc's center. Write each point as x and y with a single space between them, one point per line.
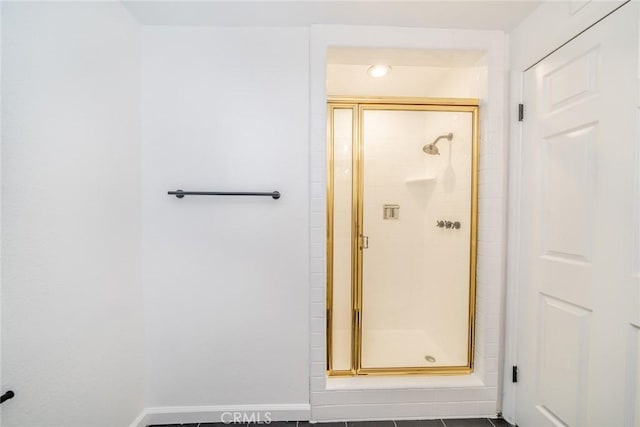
391 348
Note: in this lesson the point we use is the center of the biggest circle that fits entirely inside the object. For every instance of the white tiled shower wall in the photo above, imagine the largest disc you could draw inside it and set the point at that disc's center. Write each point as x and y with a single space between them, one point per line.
427 397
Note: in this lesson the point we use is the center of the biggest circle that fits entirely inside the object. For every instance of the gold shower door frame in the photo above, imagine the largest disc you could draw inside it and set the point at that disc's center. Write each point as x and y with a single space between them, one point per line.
358 106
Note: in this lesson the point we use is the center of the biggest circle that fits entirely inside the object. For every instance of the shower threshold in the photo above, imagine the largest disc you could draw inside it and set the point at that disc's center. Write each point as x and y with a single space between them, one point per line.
390 382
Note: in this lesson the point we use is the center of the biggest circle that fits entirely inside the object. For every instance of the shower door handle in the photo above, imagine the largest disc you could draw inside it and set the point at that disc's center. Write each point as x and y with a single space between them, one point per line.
364 242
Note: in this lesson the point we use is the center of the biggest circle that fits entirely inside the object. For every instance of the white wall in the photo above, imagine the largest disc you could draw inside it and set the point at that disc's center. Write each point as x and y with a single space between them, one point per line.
71 288
1 7
409 81
225 278
226 281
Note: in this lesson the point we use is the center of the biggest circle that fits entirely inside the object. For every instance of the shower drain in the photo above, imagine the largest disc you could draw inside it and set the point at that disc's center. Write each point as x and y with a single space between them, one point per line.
429 358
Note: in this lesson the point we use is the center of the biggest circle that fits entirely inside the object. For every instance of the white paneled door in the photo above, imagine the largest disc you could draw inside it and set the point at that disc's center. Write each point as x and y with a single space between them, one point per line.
577 343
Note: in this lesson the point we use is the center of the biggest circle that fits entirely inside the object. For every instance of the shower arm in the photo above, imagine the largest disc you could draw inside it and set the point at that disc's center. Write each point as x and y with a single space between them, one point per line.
448 136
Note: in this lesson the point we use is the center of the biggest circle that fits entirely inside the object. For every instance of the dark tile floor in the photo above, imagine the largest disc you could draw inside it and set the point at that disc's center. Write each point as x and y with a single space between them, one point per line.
459 422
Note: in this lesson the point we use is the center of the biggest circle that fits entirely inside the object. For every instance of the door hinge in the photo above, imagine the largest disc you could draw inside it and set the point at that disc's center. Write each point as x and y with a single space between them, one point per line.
514 374
520 112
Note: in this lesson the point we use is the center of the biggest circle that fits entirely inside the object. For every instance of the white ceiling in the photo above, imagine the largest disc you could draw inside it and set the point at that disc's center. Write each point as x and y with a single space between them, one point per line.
478 15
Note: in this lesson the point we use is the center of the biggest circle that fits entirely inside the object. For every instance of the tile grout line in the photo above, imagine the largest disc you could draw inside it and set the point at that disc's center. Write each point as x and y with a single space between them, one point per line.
491 422
395 423
443 423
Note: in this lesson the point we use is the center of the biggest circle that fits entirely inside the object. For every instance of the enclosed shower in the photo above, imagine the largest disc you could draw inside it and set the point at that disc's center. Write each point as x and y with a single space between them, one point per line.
401 228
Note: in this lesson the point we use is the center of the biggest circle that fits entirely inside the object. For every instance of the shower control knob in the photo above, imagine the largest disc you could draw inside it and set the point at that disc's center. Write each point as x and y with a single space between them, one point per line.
448 224
456 225
440 224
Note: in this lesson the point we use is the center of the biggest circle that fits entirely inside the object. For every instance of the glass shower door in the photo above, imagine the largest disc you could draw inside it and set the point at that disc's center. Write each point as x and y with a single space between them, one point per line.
417 218
340 246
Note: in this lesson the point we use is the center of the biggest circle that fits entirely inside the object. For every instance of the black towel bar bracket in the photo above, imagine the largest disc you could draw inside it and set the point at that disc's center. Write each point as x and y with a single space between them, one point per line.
8 395
180 194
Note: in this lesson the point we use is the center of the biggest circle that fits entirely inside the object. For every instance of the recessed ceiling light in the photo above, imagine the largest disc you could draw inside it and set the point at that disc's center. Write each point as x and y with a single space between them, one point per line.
379 70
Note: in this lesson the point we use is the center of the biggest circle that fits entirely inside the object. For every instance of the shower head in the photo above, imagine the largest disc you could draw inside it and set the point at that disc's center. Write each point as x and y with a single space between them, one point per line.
431 148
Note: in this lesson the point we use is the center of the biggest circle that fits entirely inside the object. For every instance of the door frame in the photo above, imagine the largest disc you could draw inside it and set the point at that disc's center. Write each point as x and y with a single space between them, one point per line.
358 105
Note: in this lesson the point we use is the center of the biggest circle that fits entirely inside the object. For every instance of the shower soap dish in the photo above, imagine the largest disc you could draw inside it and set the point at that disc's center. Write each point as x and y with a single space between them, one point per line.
420 179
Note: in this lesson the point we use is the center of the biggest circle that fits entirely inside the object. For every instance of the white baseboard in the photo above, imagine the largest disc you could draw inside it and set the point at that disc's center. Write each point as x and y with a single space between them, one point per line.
217 414
141 420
